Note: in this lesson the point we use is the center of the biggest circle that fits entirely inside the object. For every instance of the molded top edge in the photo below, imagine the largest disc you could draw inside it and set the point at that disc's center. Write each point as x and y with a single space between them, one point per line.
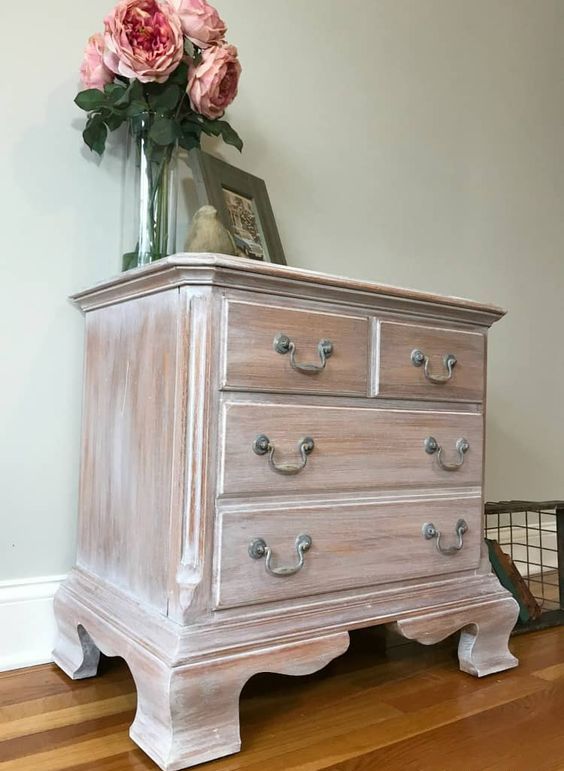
183 263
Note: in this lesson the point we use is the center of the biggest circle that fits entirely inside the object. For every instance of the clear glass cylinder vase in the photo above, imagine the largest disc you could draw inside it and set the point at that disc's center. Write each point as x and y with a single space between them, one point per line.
150 196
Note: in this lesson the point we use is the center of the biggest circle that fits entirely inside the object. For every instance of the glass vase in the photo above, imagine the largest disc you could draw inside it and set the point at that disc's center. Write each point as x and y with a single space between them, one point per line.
150 196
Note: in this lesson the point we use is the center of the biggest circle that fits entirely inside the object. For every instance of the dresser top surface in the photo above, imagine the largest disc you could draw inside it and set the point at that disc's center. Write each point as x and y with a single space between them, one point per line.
243 273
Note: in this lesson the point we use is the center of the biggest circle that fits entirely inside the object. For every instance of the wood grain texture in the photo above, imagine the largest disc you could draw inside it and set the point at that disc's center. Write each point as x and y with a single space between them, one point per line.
171 492
252 364
354 448
185 714
84 599
399 378
352 546
382 704
252 275
194 480
483 647
191 715
127 446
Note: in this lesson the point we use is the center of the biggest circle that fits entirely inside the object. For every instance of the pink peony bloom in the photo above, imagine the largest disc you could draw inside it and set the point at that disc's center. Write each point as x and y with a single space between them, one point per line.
201 22
212 84
143 40
93 71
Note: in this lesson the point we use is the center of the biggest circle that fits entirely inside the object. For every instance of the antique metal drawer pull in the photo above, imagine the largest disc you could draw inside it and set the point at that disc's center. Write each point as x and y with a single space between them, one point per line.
419 359
259 549
430 531
262 446
462 446
283 344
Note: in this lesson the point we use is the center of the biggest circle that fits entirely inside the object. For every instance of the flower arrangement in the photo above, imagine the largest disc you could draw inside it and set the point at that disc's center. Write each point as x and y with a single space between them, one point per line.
165 68
166 58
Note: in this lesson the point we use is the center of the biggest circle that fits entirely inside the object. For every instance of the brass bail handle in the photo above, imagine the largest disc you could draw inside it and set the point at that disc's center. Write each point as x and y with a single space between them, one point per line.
462 446
429 532
258 548
263 446
284 344
419 359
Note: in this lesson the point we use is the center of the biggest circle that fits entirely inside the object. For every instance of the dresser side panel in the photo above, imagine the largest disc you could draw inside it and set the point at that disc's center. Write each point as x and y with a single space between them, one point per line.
127 444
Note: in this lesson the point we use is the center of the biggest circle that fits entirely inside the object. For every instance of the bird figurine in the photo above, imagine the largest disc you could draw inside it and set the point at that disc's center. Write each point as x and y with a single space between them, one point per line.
208 234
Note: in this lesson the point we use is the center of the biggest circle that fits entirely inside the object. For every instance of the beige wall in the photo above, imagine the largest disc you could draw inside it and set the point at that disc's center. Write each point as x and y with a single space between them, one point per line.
416 142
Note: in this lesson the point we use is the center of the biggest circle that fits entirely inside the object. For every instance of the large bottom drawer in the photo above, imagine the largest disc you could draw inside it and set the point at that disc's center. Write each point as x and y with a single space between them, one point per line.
351 546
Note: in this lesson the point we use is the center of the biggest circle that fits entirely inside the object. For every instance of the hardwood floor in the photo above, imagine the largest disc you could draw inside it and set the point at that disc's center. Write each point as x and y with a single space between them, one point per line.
383 705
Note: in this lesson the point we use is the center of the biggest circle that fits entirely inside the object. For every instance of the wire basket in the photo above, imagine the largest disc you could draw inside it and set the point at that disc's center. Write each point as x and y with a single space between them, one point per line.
531 534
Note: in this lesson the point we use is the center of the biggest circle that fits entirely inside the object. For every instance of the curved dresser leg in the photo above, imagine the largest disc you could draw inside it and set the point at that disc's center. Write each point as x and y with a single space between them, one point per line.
190 714
483 647
75 652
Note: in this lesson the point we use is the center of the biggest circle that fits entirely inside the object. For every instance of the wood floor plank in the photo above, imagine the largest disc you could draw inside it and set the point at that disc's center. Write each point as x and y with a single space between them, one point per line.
90 750
488 741
554 672
349 741
23 685
379 706
63 737
50 719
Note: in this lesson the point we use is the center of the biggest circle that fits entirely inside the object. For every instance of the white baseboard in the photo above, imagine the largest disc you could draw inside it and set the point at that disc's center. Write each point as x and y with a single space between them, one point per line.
27 623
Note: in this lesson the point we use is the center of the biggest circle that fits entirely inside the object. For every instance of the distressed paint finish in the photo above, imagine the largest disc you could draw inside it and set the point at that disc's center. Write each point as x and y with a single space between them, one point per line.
252 364
360 545
354 448
180 377
128 427
399 378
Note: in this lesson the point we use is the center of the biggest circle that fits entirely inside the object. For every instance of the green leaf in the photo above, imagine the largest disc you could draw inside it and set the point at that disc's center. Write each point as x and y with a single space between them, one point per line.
209 127
180 75
194 118
113 119
91 99
164 131
166 99
115 90
222 128
95 134
230 136
190 126
136 108
136 89
130 260
189 141
133 93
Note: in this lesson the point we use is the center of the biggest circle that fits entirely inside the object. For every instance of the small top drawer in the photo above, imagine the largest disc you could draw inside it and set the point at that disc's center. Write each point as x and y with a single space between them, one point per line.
421 362
269 348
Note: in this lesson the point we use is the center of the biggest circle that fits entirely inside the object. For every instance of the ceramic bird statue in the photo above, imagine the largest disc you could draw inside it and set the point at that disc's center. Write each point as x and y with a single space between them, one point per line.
208 234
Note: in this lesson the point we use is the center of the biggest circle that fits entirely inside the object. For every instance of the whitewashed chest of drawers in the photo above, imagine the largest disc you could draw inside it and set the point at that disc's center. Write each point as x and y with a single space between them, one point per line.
271 457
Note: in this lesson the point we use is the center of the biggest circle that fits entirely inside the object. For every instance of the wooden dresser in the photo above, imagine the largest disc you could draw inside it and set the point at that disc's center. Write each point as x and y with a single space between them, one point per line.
271 457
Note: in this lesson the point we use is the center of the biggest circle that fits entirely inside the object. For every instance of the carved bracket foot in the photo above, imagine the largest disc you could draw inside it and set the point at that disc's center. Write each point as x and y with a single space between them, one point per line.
485 629
190 714
75 652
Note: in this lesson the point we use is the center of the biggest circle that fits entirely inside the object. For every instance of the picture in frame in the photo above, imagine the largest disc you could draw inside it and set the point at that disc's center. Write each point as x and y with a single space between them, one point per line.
242 203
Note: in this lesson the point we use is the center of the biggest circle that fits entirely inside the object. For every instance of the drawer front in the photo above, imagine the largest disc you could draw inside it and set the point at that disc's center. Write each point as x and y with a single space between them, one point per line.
351 546
354 448
251 361
399 377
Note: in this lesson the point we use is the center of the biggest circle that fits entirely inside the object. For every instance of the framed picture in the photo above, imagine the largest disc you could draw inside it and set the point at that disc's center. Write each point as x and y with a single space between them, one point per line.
242 203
